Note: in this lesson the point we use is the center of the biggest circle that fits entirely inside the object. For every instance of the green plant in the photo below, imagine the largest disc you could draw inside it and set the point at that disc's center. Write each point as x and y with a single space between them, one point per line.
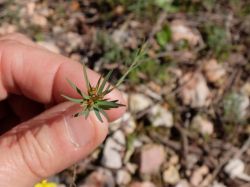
164 36
232 108
217 40
94 99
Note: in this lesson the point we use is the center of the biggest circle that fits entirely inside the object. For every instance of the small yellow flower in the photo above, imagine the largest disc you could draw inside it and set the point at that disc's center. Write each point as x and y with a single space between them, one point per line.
45 183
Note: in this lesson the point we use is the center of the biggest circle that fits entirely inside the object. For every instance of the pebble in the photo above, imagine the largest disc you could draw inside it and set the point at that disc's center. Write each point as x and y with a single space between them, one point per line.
192 159
246 89
139 102
99 178
7 28
159 116
218 184
183 183
194 90
214 72
39 20
171 175
234 168
123 177
126 123
180 31
148 162
113 148
202 125
198 175
142 184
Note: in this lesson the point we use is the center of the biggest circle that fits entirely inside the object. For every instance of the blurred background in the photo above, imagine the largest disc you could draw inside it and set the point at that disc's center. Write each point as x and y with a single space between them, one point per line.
188 122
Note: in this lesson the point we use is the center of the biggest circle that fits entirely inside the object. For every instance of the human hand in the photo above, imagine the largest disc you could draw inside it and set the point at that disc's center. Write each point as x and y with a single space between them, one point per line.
36 143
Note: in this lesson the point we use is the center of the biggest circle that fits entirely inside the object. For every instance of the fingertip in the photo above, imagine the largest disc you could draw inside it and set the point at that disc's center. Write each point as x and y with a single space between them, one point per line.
117 112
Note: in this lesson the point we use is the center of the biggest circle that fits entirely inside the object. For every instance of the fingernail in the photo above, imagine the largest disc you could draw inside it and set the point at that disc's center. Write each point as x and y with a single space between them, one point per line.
80 131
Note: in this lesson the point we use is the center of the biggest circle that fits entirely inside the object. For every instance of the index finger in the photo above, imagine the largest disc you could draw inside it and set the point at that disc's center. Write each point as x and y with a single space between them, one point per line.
41 75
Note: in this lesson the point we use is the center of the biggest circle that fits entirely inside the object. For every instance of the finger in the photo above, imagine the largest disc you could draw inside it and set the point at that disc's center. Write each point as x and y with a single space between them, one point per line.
18 38
47 144
41 75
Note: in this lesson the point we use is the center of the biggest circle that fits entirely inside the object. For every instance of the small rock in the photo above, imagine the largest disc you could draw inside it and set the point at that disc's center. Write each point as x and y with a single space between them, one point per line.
194 90
180 31
123 177
131 167
192 159
120 36
74 40
142 184
183 183
235 168
160 116
246 89
39 20
217 184
139 102
99 178
30 8
50 46
198 175
7 28
202 125
126 123
148 162
112 153
214 72
174 160
171 175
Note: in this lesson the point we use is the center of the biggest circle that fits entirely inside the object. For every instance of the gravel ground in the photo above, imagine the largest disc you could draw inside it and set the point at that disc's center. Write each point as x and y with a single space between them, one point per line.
188 118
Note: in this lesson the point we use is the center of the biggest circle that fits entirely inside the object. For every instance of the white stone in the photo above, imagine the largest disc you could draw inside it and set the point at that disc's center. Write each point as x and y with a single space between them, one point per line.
142 184
148 162
160 116
139 102
234 168
123 177
171 175
194 90
39 20
202 125
214 71
126 123
99 178
180 31
217 184
246 89
183 183
198 175
112 153
7 28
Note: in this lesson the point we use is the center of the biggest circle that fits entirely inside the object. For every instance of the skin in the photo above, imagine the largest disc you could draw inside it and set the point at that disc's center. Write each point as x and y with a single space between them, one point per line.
38 136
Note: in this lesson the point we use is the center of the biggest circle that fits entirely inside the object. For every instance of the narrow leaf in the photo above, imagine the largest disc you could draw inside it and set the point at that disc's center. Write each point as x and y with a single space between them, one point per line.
104 82
86 77
73 99
98 82
97 113
135 63
77 89
104 114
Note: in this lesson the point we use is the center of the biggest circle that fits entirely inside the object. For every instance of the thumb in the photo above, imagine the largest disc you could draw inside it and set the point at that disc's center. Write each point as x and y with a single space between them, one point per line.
47 144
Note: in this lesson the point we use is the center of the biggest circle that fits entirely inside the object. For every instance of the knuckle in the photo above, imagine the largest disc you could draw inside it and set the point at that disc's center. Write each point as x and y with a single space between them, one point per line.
16 37
36 157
